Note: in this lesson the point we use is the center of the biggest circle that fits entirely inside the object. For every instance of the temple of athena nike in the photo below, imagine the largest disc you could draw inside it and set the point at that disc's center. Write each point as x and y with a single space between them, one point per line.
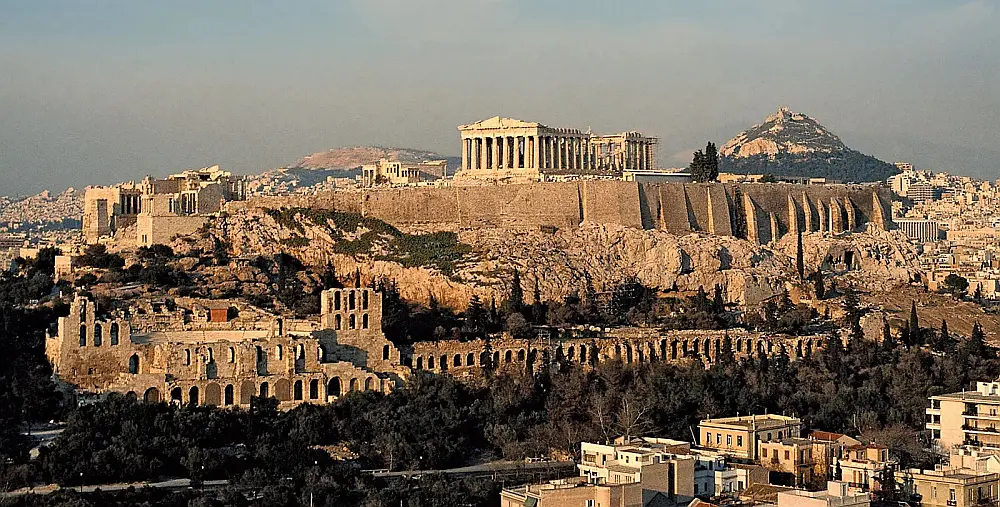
506 149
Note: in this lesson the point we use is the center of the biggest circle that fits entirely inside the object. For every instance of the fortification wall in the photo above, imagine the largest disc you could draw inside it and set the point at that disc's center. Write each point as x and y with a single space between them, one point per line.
768 210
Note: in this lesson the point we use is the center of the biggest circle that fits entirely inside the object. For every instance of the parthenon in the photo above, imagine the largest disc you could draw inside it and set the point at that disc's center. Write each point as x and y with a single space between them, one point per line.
514 150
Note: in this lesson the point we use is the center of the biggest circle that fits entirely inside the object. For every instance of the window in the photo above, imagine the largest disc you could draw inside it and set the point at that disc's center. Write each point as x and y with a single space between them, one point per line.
951 494
708 438
729 440
187 356
278 352
787 455
739 441
768 437
780 436
718 438
763 452
232 355
590 503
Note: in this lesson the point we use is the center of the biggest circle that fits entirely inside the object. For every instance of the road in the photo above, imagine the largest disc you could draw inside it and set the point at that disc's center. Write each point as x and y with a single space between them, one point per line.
496 467
173 485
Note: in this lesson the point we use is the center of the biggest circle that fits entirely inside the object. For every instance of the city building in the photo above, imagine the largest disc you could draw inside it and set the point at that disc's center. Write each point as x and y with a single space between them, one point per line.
952 487
577 493
741 436
922 192
649 464
861 465
507 149
791 459
837 494
967 417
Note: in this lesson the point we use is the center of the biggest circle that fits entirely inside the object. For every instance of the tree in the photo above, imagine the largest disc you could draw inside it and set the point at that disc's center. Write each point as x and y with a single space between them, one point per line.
517 326
799 261
515 299
768 178
818 284
955 285
705 164
475 318
977 296
914 322
718 300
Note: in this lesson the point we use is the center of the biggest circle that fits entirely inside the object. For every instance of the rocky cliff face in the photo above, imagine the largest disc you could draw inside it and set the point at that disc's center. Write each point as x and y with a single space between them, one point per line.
601 256
793 144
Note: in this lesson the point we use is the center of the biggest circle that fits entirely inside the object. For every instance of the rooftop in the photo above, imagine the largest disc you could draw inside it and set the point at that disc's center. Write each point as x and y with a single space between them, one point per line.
758 421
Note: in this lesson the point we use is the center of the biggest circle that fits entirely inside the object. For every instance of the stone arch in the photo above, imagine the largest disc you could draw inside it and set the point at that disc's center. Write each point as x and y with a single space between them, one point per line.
628 353
320 354
351 300
470 359
352 321
98 331
457 360
354 381
507 356
571 353
364 321
176 395
133 364
336 301
279 352
443 363
496 358
187 356
193 396
232 355
368 384
83 335
265 390
420 362
673 349
246 391
131 396
694 347
152 395
651 351
663 350
708 348
718 348
430 362
483 358
297 390
520 356
228 395
282 389
738 345
798 349
314 389
213 394
364 302
333 388
336 322
113 333
640 356
385 352
809 348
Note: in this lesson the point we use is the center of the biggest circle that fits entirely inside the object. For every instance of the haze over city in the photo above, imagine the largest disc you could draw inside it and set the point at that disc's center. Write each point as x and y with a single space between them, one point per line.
99 92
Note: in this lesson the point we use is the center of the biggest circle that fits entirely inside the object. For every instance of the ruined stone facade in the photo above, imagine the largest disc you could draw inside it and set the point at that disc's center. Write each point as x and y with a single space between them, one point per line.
394 172
222 352
505 149
160 208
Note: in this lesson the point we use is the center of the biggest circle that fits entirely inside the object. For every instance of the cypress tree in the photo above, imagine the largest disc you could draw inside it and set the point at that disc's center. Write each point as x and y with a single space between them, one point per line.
718 301
698 167
515 300
711 162
914 323
799 261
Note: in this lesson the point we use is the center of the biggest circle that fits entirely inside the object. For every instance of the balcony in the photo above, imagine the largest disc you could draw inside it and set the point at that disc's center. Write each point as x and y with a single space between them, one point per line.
862 486
932 411
952 503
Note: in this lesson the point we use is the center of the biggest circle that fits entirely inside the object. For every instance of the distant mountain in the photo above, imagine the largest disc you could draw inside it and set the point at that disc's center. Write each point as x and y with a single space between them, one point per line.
357 156
793 144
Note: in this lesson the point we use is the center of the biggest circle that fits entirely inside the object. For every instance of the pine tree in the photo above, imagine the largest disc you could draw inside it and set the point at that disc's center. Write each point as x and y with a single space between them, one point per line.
799 261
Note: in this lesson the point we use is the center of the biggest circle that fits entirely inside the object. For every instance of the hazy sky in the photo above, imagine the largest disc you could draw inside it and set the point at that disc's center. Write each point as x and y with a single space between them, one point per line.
98 91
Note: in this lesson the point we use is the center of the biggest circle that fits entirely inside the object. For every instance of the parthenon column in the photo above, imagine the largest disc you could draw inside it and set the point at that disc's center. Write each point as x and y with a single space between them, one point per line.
514 157
465 154
529 152
553 163
481 154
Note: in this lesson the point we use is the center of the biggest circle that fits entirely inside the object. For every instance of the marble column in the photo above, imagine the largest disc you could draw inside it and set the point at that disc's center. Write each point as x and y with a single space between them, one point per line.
512 148
465 154
483 153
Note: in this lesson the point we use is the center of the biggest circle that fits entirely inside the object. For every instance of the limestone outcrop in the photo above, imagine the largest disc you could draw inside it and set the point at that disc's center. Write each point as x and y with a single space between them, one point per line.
565 261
